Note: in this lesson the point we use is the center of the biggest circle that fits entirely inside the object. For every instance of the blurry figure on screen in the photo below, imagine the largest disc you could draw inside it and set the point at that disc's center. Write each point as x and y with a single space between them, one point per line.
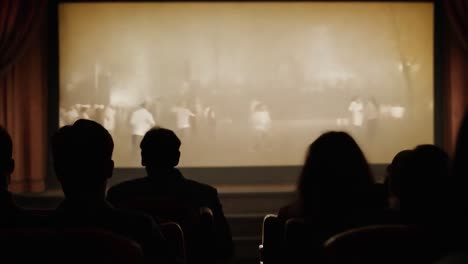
141 121
184 88
371 111
397 111
157 108
71 115
209 116
97 113
183 115
108 121
62 116
198 105
198 121
260 121
253 105
356 107
83 111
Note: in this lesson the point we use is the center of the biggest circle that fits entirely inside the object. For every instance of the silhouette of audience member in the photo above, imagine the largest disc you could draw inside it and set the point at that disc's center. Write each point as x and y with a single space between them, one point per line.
335 193
392 180
160 155
11 214
335 183
82 155
420 183
422 186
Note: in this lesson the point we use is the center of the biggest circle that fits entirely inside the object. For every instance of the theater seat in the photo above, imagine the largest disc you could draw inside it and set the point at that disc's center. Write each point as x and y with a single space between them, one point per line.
384 244
197 223
67 246
270 250
175 238
296 246
163 210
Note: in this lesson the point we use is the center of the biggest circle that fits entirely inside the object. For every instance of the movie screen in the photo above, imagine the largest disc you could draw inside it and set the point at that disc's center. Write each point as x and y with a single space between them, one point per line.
249 84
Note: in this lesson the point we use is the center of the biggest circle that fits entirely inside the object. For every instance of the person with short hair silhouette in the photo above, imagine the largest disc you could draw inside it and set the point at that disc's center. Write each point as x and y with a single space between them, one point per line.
421 184
82 156
11 215
392 179
160 155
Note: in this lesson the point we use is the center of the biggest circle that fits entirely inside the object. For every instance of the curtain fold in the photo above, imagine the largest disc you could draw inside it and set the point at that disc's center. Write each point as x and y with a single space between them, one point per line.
457 12
18 19
456 68
23 89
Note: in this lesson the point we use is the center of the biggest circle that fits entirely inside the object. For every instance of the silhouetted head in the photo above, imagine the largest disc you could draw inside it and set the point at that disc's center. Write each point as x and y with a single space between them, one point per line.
422 182
7 164
395 169
336 176
82 155
160 149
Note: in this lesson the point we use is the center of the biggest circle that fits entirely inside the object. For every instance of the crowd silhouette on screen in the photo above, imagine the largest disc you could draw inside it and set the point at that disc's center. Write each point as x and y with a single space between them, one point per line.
425 190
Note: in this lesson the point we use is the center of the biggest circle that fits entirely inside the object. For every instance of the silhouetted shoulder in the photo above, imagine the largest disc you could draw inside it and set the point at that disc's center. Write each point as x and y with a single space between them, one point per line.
129 188
200 188
130 184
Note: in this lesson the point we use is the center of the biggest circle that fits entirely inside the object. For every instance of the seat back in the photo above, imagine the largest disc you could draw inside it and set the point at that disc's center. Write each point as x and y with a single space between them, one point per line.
67 246
196 223
294 230
175 238
296 244
206 219
165 210
387 244
272 239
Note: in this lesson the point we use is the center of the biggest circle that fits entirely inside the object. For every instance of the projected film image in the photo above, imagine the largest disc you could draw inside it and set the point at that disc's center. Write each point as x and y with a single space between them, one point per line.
249 84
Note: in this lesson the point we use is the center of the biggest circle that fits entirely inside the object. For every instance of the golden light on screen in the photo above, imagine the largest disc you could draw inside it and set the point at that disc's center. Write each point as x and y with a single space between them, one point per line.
250 84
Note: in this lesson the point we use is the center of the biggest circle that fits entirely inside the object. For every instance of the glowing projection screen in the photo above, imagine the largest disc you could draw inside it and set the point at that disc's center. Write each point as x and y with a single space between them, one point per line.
250 84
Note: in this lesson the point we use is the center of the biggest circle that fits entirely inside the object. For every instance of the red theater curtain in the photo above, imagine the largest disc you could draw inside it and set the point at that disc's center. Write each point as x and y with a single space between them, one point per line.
23 88
456 67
